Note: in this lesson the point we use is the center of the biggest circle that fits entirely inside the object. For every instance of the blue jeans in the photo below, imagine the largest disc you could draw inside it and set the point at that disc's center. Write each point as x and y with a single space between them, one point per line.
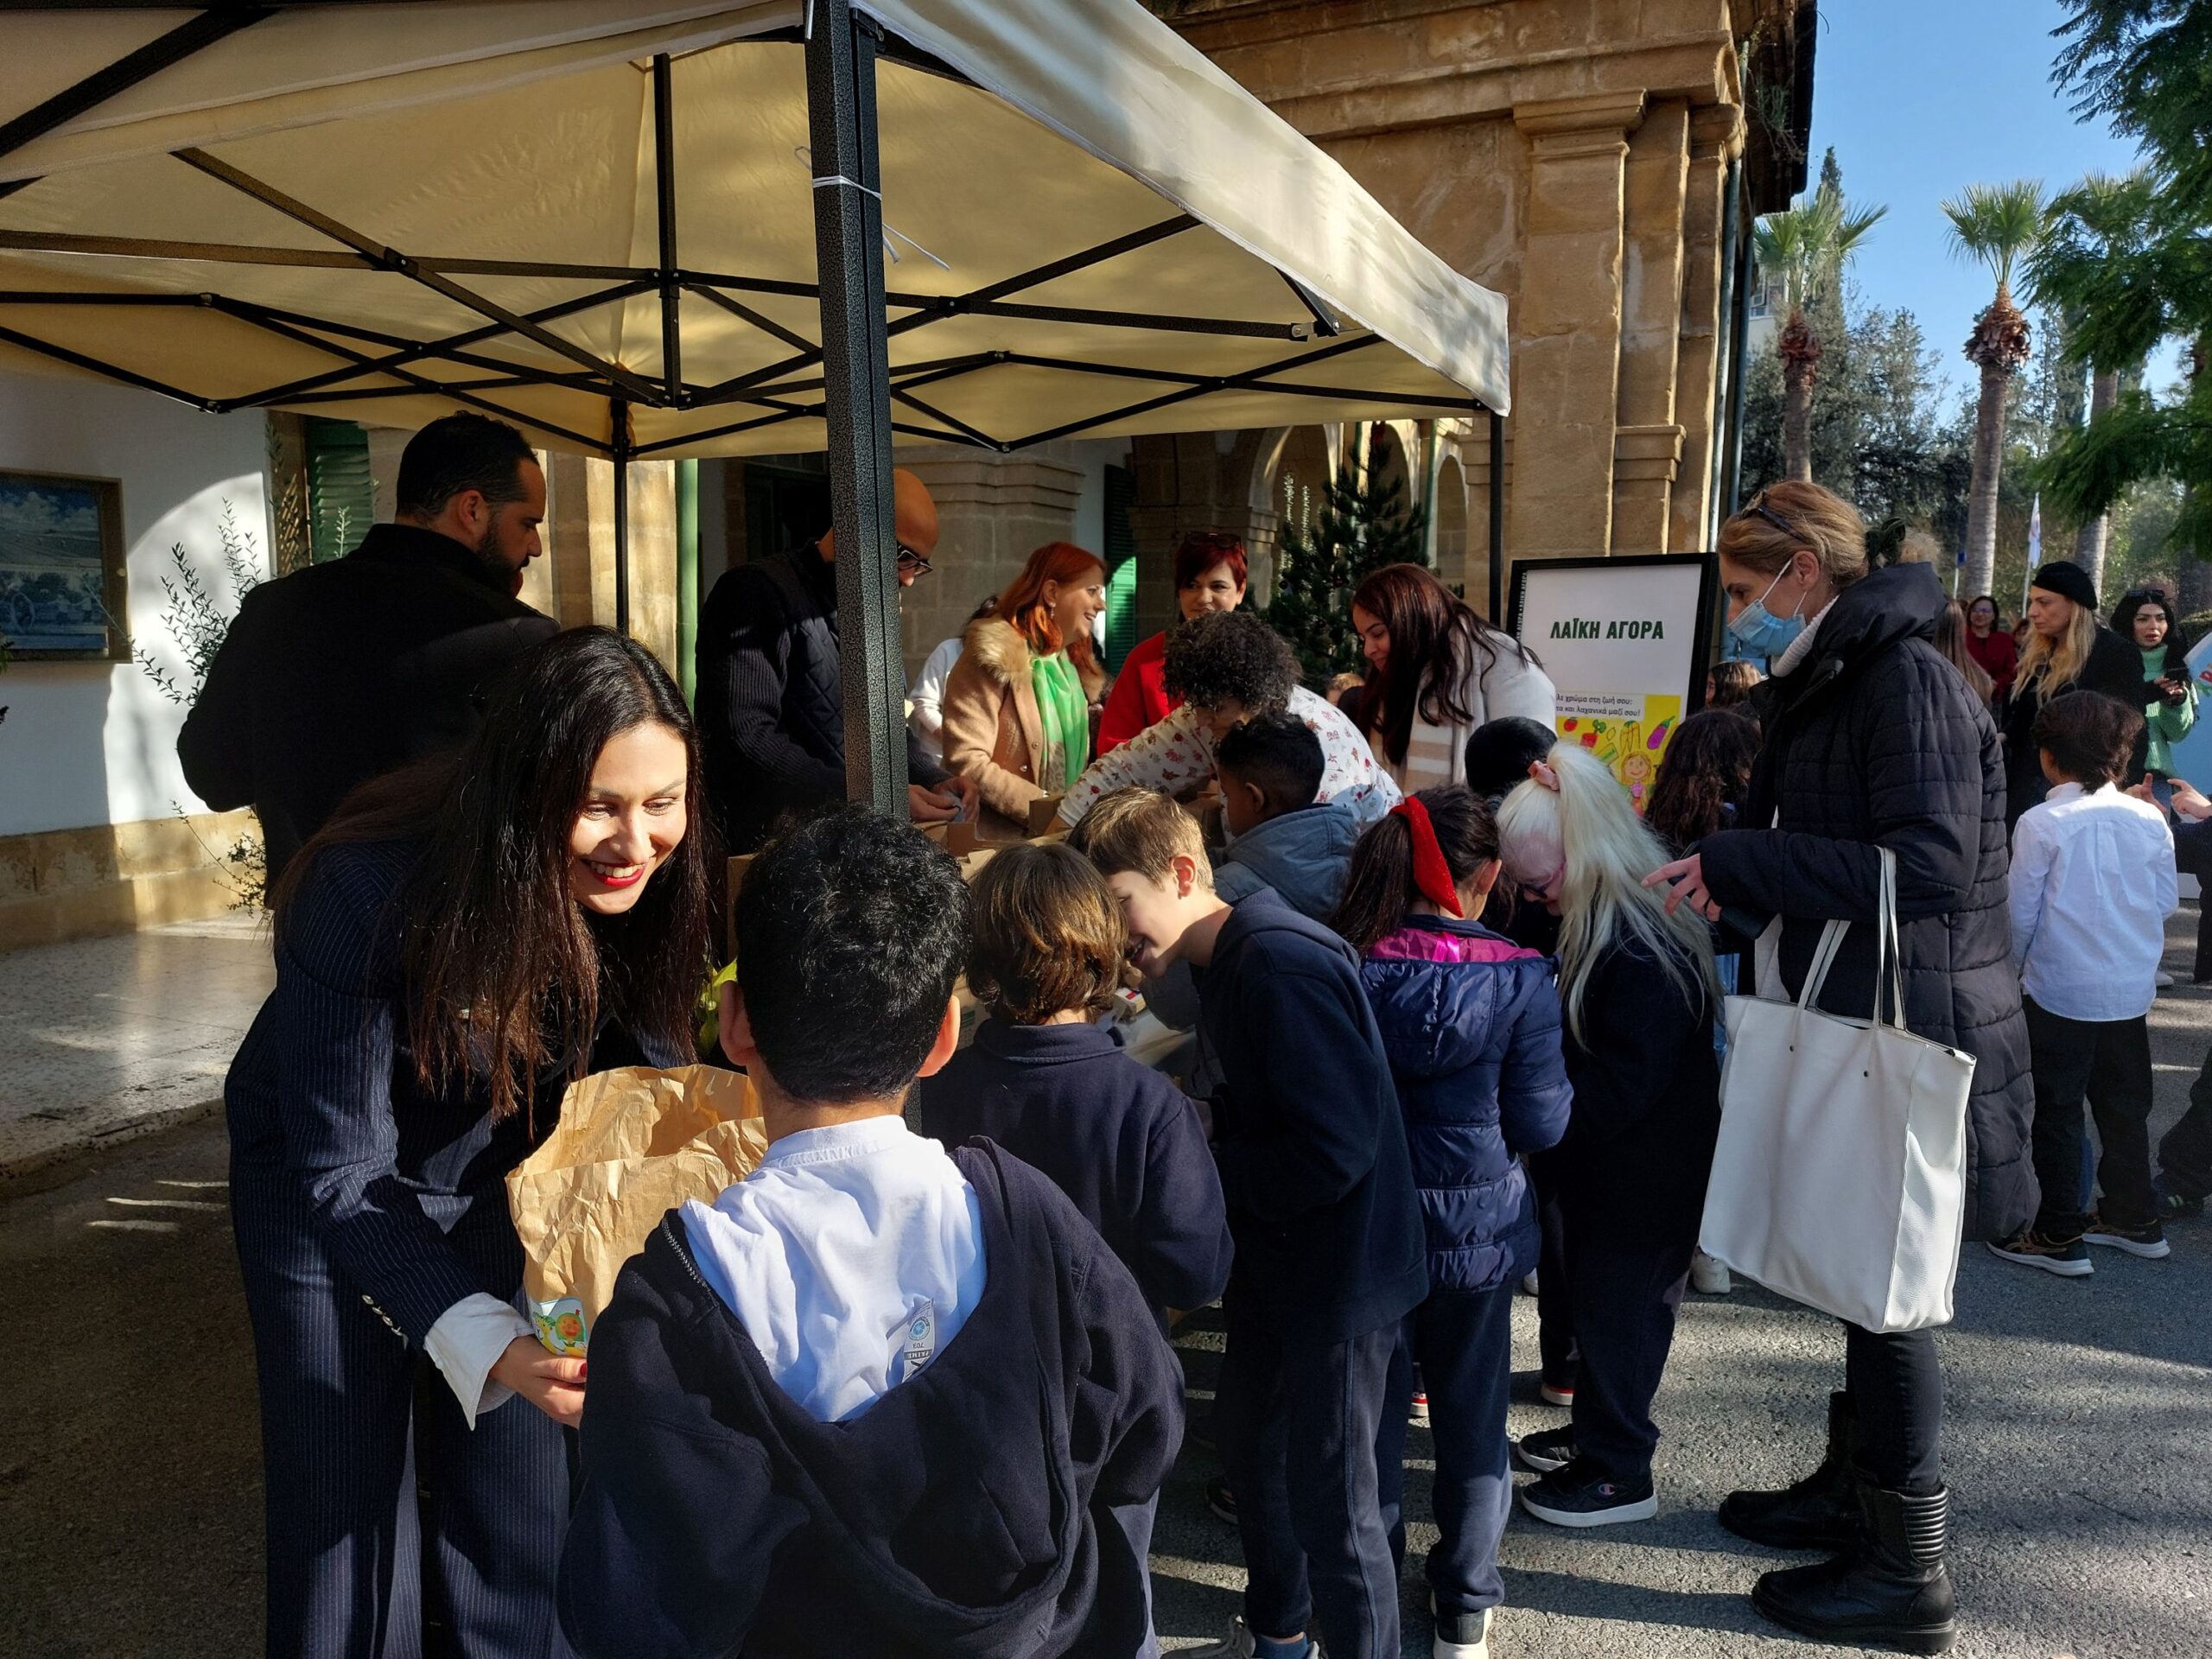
1463 1340
1297 1424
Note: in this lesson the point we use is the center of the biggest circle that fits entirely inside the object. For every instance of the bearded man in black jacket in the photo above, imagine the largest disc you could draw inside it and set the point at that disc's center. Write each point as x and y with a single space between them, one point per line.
344 672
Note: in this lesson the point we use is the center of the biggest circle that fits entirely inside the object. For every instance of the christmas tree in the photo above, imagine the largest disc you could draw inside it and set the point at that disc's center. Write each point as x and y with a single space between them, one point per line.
1361 523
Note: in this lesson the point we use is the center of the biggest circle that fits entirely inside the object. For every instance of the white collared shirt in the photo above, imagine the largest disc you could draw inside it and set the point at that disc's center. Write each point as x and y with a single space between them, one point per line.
2092 885
826 1251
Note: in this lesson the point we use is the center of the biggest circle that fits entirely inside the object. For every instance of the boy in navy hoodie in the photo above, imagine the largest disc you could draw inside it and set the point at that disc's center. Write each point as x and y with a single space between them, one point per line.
1057 1091
1329 1252
875 1398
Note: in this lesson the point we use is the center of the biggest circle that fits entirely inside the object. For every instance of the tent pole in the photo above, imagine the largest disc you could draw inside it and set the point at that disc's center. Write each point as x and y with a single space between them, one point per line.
1496 519
687 576
856 399
620 426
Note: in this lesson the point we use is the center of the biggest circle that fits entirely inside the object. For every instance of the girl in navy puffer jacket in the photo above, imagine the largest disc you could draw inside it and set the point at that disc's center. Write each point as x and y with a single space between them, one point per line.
1471 1022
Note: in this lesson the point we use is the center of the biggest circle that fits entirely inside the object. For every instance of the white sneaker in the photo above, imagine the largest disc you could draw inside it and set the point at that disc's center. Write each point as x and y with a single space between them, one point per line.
1464 1636
2163 979
1709 1276
1528 1283
1239 1643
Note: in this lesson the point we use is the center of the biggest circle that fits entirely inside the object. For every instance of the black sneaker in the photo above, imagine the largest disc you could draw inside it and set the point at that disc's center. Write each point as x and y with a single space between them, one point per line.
1577 1496
2177 1207
1221 1500
2148 1241
2066 1257
1546 1450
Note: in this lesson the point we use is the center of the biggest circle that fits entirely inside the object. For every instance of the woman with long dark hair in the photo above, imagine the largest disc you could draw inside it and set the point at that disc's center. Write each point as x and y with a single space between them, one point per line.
2144 619
457 944
1438 672
1017 709
1954 638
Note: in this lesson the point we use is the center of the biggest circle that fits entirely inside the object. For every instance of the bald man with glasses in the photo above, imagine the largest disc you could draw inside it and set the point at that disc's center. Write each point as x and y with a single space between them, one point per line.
771 687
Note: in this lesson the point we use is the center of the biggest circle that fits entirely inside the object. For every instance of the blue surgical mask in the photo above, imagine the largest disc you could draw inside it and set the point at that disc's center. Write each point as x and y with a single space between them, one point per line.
1760 631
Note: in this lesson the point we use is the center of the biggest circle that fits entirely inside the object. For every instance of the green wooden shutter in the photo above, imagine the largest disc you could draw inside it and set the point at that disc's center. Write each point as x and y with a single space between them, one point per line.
341 496
1120 566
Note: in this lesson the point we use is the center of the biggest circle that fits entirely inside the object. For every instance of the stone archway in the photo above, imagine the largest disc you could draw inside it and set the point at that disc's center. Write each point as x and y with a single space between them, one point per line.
1385 458
1449 515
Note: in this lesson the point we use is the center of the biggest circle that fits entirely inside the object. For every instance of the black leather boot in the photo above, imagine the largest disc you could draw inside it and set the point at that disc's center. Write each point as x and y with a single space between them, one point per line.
1893 1591
1818 1512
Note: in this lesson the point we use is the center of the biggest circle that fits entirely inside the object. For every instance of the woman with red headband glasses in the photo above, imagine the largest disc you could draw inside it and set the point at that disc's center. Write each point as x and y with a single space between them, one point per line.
1470 1022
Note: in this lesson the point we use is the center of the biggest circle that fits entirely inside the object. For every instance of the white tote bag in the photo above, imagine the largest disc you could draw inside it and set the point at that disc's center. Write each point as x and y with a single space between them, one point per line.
1839 1178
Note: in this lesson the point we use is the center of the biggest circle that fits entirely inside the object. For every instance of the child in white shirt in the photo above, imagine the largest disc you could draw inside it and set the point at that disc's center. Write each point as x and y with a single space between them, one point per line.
2092 882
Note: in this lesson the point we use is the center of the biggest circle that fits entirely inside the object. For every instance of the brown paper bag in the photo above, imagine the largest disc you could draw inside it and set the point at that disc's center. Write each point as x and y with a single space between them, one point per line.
631 1145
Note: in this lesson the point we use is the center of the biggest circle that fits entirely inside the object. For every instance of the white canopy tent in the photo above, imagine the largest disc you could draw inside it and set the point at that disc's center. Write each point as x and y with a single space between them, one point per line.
639 228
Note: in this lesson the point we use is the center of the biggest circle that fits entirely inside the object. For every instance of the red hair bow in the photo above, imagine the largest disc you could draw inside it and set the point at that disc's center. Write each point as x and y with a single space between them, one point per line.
1431 874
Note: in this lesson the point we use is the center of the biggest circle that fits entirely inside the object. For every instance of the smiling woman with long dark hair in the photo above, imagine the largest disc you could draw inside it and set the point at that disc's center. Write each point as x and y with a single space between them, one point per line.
457 944
1437 671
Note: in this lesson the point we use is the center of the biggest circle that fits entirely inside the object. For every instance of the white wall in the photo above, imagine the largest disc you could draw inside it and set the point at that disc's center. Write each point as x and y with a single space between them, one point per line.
92 743
1094 455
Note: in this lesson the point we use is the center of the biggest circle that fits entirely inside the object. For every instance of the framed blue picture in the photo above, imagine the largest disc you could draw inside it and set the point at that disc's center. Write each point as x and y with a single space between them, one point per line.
63 593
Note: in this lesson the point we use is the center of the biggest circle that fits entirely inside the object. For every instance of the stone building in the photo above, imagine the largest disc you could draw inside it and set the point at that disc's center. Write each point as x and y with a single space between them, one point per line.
1596 162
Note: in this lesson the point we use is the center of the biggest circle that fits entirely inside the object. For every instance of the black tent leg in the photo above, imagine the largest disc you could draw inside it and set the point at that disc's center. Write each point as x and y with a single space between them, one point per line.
857 396
621 445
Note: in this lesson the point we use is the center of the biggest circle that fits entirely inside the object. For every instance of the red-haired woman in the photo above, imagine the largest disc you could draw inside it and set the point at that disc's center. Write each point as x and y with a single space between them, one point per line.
1017 709
1210 575
1439 671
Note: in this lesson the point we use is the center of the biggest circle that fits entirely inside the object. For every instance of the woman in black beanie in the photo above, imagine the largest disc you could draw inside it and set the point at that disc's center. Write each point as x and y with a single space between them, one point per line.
2067 650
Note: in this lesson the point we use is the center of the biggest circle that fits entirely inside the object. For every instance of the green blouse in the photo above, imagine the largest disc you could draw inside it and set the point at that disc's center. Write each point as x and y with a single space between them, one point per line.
2169 723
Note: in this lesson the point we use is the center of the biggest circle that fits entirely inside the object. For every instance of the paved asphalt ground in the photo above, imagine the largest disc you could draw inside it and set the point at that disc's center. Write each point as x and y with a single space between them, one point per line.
2078 1442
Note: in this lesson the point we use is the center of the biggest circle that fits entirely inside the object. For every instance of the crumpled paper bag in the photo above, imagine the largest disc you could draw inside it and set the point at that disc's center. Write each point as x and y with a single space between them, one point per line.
631 1145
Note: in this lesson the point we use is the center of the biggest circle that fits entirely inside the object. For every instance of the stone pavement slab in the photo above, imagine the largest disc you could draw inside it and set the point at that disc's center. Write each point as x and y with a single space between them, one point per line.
103 1039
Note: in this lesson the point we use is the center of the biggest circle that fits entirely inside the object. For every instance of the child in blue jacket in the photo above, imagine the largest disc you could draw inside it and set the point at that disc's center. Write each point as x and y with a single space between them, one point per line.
1470 1022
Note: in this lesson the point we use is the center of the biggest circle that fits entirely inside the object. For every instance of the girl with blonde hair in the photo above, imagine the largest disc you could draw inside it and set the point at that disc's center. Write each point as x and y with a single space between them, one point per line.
1638 992
2068 649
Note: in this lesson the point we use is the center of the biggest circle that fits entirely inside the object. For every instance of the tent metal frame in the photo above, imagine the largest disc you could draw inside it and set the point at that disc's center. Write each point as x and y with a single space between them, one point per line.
852 387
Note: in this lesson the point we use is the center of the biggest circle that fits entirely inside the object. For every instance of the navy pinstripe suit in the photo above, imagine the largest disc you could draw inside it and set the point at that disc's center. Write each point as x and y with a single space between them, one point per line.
364 1207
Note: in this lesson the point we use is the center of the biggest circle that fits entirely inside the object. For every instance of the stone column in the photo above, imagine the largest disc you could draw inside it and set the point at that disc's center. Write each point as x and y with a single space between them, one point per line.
1474 461
1651 325
992 512
1568 337
1716 136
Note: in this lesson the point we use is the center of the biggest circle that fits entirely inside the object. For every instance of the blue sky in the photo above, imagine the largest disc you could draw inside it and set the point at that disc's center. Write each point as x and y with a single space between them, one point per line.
1921 98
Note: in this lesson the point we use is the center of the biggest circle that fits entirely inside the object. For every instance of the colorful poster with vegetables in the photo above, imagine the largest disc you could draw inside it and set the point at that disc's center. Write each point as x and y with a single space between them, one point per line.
1622 640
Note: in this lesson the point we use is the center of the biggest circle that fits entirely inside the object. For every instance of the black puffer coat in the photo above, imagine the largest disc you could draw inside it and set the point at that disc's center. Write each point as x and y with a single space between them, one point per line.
1874 740
2115 667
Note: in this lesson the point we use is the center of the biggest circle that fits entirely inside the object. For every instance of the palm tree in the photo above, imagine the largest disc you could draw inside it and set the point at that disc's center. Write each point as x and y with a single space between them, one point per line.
1995 225
1807 245
2098 221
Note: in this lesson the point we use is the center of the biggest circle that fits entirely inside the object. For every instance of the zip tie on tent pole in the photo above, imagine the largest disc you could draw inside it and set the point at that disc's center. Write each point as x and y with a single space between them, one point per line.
828 180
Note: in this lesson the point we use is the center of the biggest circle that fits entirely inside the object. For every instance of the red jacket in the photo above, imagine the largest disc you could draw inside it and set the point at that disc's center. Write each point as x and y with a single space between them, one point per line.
1140 697
1998 656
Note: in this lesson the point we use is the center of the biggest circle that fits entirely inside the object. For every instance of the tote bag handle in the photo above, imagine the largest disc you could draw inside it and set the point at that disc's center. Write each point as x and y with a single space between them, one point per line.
1889 952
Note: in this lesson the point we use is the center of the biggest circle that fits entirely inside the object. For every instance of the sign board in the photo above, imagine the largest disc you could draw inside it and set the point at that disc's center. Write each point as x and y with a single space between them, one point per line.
1625 641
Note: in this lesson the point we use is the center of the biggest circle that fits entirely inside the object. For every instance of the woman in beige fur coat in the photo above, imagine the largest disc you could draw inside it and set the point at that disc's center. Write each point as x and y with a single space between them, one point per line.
1017 709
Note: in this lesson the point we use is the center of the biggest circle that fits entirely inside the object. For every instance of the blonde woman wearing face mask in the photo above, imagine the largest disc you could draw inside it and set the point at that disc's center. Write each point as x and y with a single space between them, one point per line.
1873 742
2067 651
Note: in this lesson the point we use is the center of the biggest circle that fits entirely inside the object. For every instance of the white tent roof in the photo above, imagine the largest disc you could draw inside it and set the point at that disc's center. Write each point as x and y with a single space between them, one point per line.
1093 229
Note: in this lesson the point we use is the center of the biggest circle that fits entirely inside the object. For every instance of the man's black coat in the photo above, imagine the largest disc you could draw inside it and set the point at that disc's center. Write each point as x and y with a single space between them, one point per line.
344 672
